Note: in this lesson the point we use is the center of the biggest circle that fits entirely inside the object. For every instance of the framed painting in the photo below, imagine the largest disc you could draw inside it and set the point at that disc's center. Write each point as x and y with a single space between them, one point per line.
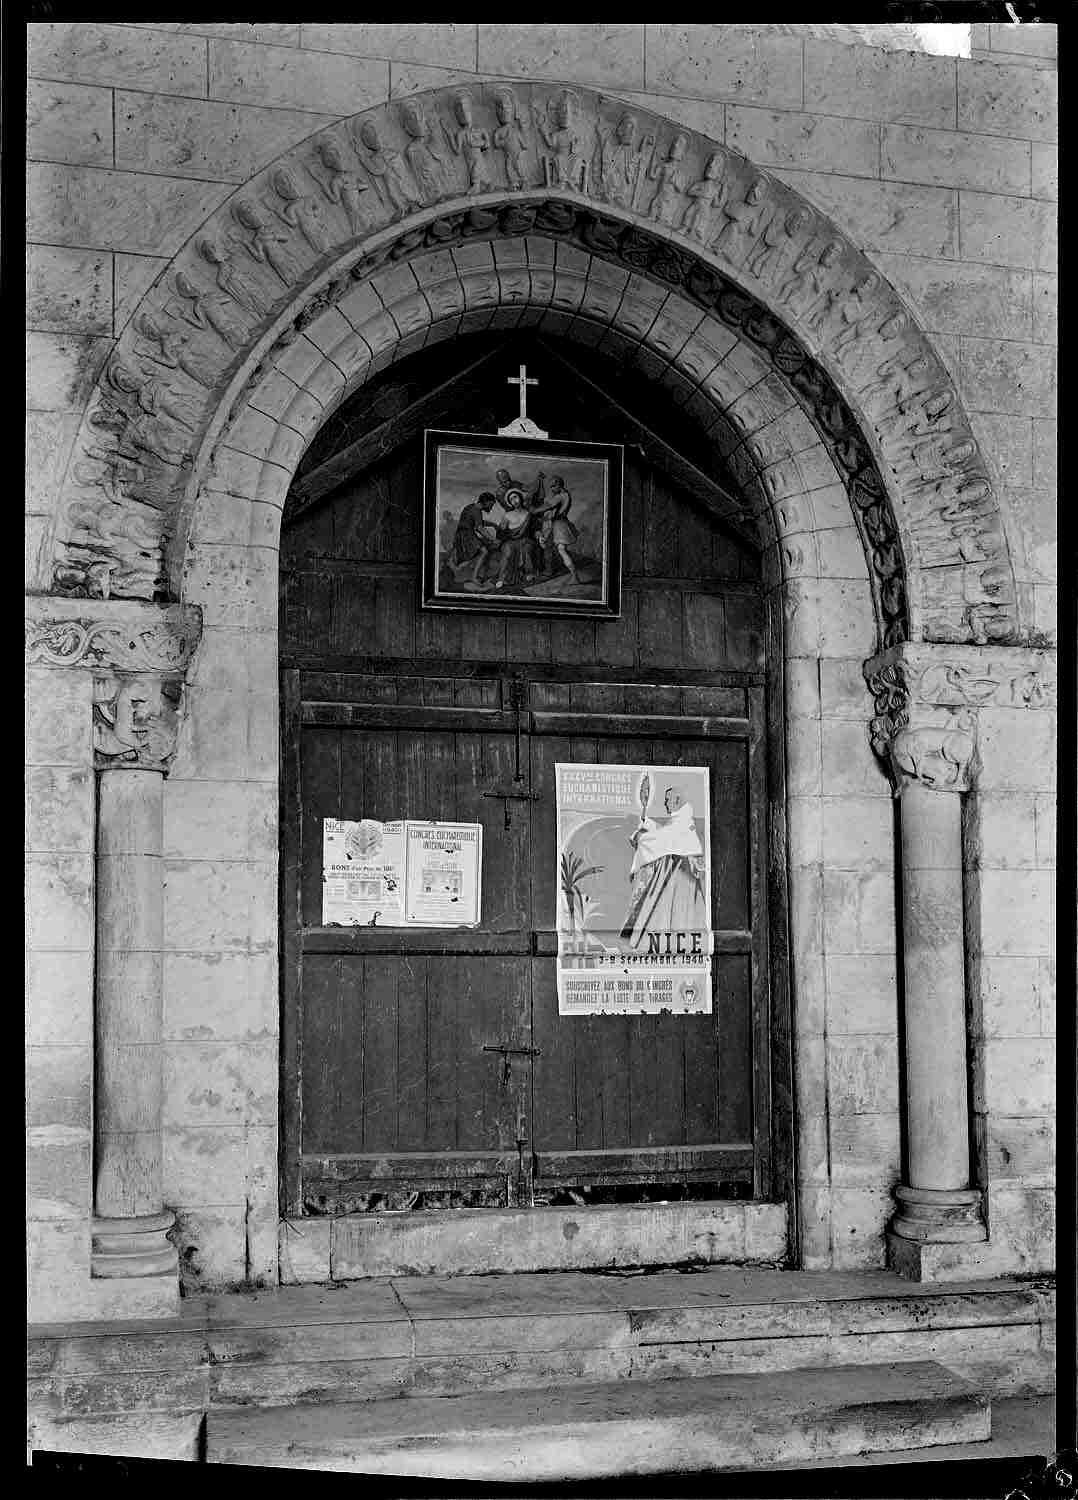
521 525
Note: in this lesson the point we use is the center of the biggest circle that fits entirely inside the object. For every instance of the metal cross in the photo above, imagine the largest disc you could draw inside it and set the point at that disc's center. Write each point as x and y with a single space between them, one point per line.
523 381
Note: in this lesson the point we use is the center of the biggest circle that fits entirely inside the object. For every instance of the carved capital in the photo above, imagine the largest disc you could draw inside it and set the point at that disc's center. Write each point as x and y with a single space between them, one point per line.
930 744
120 635
939 756
136 720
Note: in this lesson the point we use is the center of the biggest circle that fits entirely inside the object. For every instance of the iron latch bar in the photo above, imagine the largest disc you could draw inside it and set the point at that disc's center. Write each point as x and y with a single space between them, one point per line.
507 1052
517 696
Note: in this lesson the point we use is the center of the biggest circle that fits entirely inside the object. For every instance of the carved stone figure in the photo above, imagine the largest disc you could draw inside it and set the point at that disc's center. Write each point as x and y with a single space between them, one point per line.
621 162
118 546
511 137
119 472
203 310
863 358
778 244
471 142
744 221
819 313
565 164
302 211
945 541
427 166
244 290
936 757
809 275
899 382
707 197
136 720
341 186
948 455
388 168
264 245
173 351
670 175
154 397
924 416
854 313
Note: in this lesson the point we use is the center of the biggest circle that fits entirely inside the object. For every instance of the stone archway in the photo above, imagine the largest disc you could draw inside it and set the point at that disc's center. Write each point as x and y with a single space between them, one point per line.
395 182
831 408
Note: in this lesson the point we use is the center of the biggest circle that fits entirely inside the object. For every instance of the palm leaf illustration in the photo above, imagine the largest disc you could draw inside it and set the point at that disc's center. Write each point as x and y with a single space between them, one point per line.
573 871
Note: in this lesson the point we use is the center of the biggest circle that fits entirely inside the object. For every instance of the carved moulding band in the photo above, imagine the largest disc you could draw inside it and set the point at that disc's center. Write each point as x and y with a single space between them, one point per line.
969 677
449 164
119 635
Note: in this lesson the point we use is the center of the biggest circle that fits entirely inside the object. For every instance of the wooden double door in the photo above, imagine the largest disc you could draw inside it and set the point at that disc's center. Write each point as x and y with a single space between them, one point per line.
432 1066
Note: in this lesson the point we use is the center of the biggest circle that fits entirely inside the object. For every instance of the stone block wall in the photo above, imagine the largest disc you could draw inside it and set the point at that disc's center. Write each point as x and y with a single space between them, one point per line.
943 169
59 822
1010 830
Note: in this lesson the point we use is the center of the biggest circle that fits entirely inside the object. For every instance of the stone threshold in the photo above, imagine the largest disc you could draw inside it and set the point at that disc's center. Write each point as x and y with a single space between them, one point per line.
478 1241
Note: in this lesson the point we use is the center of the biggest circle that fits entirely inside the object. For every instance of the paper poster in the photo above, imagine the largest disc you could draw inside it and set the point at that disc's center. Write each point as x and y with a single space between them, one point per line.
402 874
634 890
362 873
443 873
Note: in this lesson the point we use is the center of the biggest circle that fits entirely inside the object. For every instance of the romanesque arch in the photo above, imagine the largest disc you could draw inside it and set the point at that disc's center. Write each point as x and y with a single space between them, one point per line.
390 228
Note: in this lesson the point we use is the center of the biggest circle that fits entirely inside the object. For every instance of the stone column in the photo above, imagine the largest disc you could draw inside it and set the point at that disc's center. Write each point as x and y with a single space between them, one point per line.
931 765
135 724
137 654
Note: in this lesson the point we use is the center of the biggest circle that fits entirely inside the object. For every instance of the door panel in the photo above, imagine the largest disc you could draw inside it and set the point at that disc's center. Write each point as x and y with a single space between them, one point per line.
403 1082
623 1097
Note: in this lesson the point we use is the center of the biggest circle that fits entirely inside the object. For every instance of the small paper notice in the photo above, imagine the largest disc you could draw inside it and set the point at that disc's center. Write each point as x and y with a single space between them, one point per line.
401 874
443 873
362 873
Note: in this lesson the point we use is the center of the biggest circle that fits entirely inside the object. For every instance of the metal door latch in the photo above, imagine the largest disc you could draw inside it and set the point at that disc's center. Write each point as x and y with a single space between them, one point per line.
508 1052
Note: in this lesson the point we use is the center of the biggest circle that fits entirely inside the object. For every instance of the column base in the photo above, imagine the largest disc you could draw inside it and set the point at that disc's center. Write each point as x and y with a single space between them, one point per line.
134 1247
937 1216
937 1235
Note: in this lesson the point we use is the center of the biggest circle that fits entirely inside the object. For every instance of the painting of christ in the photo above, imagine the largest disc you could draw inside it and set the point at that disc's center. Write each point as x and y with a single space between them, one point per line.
521 525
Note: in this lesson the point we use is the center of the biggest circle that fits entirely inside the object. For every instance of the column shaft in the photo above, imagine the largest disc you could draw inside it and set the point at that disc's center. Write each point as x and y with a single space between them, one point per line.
130 1219
935 996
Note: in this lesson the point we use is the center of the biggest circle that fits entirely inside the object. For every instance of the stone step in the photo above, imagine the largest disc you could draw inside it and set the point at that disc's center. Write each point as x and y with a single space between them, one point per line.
617 1428
427 1336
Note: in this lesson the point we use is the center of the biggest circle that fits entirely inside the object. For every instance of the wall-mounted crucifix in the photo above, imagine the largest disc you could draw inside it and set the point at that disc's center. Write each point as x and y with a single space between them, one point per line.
522 426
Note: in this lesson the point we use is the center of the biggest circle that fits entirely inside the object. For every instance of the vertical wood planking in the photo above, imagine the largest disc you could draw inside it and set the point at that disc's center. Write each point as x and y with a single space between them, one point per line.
379 980
734 1046
490 761
291 918
411 1101
704 630
444 1001
730 873
320 799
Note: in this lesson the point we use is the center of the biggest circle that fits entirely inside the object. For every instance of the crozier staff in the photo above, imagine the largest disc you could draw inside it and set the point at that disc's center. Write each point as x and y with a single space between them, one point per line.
667 873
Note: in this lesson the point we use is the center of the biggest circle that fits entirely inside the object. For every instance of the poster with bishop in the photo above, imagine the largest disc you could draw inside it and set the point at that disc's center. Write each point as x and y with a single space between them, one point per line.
634 890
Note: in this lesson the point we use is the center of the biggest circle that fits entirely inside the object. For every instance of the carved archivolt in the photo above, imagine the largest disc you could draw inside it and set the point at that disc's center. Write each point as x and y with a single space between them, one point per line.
512 159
